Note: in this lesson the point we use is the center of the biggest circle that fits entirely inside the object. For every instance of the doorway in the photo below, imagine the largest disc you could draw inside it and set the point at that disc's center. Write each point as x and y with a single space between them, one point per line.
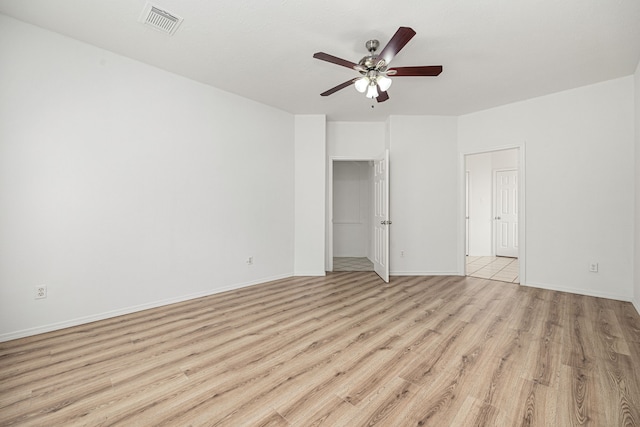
493 215
366 193
352 216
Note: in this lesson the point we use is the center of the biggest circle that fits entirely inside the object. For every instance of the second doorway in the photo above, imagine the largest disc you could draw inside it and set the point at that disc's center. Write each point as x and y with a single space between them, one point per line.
492 215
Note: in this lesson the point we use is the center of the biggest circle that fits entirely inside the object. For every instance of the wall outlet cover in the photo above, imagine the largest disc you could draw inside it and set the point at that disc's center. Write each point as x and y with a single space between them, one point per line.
41 292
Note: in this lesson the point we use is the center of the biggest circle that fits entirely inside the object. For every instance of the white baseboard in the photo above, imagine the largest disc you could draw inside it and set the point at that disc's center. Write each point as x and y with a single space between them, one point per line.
425 273
133 309
310 273
586 292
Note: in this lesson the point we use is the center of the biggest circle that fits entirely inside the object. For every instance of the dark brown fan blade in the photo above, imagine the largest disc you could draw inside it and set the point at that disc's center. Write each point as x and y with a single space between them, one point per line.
334 59
397 42
428 70
383 96
339 87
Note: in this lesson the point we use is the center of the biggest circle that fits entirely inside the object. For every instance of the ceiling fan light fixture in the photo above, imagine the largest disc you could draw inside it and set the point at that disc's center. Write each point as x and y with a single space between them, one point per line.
384 82
361 84
372 90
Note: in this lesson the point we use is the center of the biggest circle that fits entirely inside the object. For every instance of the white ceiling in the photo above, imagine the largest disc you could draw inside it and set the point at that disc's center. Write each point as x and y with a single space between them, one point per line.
493 51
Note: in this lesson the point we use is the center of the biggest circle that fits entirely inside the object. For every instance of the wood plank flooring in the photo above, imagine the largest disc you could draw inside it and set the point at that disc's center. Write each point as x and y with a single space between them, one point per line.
341 350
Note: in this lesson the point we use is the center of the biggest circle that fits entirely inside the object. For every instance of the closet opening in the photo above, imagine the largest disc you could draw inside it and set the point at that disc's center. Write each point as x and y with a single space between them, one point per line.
352 225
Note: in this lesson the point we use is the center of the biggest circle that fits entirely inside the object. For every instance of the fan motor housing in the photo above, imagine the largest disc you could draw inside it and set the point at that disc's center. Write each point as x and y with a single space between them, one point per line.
371 62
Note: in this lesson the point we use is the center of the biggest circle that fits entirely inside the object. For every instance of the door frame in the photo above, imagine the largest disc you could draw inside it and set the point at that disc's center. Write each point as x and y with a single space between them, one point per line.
328 262
521 205
466 211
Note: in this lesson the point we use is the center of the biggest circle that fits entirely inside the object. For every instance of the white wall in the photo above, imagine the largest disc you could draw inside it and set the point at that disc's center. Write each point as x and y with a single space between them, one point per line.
423 195
481 204
310 167
351 208
579 183
637 191
504 159
356 140
123 186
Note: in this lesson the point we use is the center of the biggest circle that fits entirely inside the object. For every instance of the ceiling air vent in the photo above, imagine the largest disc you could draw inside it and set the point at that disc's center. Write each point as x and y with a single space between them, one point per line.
159 19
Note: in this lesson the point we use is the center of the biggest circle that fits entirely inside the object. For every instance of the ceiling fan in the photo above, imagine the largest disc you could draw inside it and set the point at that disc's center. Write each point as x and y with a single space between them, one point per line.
374 68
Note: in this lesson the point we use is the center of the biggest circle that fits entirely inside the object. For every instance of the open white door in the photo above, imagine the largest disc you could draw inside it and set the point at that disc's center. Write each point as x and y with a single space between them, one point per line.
381 216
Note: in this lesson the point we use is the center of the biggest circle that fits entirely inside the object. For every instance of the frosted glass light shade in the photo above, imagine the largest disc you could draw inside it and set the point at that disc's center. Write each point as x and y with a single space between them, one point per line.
384 82
361 84
372 91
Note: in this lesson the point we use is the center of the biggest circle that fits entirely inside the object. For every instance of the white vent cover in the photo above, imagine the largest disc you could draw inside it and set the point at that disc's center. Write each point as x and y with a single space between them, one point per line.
159 19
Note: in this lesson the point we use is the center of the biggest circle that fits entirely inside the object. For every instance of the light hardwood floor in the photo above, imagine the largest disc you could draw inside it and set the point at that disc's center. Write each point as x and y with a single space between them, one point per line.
342 350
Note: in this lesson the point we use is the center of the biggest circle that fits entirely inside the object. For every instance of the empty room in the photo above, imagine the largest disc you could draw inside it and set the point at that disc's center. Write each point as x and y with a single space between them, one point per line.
278 213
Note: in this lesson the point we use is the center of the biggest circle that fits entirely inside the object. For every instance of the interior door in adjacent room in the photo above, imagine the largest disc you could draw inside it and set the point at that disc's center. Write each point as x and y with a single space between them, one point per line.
506 213
381 216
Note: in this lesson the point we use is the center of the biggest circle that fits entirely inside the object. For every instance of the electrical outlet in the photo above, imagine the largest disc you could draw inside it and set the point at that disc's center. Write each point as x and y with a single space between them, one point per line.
41 291
401 254
250 260
593 267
